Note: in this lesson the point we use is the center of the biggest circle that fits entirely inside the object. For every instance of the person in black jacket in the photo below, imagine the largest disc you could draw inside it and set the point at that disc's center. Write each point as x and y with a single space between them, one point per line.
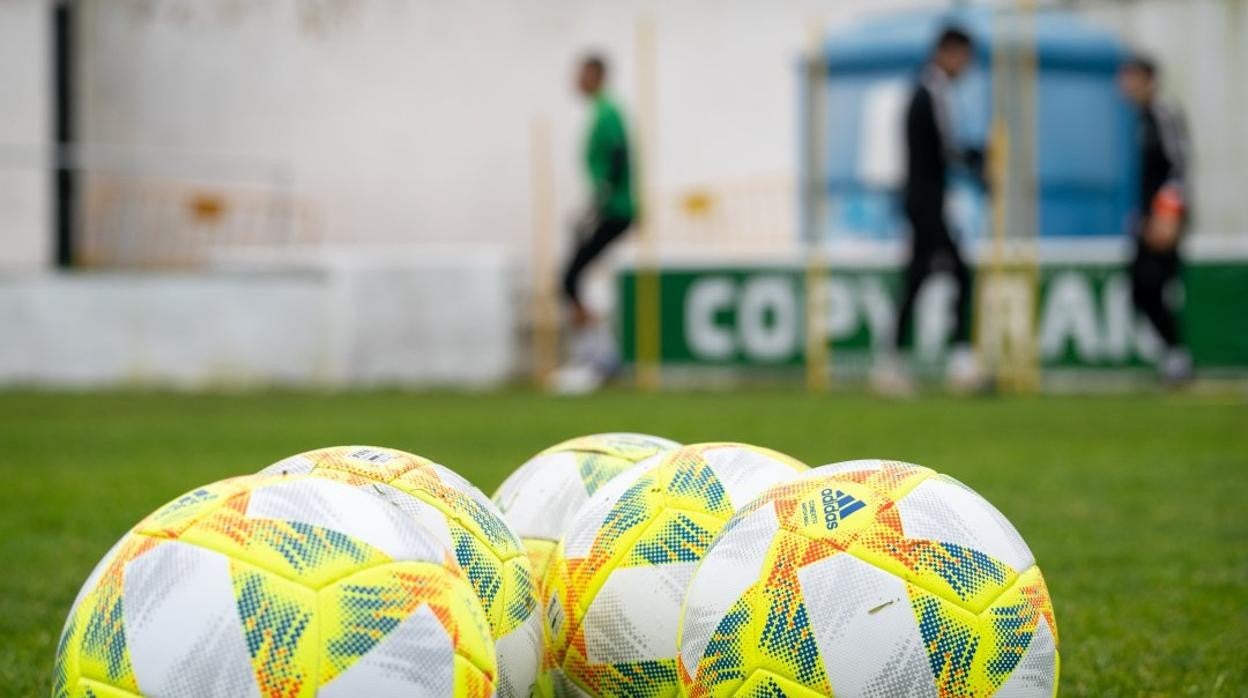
1162 211
931 150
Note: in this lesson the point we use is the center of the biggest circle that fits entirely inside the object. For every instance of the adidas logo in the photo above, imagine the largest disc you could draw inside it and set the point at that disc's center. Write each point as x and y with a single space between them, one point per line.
838 506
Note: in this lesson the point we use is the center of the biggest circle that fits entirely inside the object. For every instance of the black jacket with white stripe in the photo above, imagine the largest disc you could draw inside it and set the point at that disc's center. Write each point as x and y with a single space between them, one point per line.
1164 153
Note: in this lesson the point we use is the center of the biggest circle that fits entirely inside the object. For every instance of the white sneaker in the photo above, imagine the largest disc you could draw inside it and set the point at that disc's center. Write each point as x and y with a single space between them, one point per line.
964 374
889 378
575 379
595 346
1176 367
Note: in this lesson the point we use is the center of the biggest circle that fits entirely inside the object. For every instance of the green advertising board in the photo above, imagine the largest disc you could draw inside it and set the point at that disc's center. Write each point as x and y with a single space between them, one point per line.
753 316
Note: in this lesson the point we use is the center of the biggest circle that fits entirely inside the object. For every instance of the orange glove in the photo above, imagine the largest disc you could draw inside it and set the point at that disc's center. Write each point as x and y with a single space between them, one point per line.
1166 219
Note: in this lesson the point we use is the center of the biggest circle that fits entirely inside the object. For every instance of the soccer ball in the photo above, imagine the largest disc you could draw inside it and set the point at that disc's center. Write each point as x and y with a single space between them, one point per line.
616 582
869 578
469 524
268 586
541 496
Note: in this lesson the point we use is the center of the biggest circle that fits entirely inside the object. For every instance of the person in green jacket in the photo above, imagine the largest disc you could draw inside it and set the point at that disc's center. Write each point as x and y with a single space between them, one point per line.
609 167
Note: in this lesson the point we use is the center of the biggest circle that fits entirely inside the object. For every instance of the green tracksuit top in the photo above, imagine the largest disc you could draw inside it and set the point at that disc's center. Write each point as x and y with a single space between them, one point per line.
607 160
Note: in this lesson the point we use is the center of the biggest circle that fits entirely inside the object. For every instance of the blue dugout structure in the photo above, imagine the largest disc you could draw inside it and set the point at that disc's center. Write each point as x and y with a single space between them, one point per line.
852 141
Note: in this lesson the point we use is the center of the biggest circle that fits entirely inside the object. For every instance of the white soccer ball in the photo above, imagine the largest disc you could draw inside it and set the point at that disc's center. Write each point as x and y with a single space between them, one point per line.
540 498
264 586
616 582
869 578
463 518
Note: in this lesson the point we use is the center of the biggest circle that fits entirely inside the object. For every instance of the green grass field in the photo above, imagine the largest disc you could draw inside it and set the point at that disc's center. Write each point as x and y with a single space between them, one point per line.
1136 507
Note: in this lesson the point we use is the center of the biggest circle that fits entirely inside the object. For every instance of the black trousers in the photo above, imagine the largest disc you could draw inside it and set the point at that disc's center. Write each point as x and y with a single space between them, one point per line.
932 248
1151 273
605 232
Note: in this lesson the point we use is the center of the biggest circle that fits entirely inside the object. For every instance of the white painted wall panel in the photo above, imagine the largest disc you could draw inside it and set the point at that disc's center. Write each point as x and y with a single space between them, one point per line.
385 322
25 128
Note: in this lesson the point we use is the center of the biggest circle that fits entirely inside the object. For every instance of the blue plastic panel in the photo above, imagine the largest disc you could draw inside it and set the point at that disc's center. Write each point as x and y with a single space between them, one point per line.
1085 156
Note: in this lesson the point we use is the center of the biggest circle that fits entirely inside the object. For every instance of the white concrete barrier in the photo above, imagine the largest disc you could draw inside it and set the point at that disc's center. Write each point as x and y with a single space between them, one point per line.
404 318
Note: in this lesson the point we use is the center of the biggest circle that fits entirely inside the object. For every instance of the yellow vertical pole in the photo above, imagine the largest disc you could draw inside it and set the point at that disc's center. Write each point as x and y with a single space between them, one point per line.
648 306
545 309
988 321
1029 369
1008 289
818 352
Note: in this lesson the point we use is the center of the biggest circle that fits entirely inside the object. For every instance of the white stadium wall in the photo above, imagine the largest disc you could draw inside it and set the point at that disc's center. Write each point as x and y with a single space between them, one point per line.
397 318
412 121
404 124
25 129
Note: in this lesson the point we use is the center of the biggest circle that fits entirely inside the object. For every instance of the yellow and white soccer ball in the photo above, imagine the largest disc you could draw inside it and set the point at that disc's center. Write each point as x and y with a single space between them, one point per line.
541 496
262 586
466 521
869 578
615 584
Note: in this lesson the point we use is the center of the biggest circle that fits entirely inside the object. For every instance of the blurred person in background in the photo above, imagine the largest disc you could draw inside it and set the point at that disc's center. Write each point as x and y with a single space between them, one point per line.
1162 211
608 217
932 151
